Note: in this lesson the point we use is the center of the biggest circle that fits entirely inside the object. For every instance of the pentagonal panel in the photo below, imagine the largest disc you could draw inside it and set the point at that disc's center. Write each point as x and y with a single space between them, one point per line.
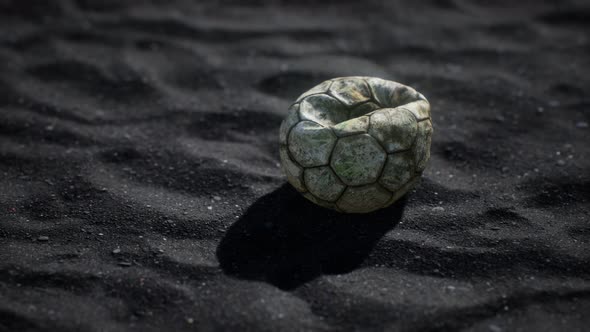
363 199
323 183
399 168
351 127
291 119
323 109
320 88
311 144
293 172
350 90
423 142
394 128
363 109
358 159
420 109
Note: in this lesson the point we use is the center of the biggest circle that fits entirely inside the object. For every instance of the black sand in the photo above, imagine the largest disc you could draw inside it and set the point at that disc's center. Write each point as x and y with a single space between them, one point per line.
140 187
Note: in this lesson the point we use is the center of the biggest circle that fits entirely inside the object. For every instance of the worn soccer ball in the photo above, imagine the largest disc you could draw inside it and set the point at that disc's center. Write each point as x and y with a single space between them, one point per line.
356 144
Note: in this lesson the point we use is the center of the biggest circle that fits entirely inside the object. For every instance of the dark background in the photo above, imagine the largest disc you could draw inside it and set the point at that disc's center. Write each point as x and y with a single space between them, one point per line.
140 186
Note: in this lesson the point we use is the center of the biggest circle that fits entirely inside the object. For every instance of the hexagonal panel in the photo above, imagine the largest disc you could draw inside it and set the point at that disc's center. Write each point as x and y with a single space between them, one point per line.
320 88
350 90
311 144
420 109
363 199
293 172
423 142
358 159
323 109
351 127
363 109
286 125
394 128
399 168
323 183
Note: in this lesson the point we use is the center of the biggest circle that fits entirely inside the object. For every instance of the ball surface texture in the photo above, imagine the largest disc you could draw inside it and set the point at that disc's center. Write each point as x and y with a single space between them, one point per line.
356 144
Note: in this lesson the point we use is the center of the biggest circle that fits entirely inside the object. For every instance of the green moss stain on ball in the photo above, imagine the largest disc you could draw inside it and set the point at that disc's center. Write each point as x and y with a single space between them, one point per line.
356 144
322 109
362 109
323 183
394 128
291 120
358 159
293 172
311 143
350 91
353 126
423 145
399 169
364 199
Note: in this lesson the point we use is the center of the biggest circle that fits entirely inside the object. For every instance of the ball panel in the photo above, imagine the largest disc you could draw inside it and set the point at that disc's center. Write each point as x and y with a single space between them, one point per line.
311 144
358 159
350 90
420 109
423 142
318 201
411 184
291 119
346 145
404 95
394 128
323 183
323 109
293 172
320 88
363 199
399 168
351 127
384 92
363 109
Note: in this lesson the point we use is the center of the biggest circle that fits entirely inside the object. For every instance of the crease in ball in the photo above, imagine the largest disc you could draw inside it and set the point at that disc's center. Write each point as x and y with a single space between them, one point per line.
356 144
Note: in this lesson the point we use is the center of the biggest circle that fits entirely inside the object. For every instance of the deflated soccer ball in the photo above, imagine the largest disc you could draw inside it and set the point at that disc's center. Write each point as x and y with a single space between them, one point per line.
356 144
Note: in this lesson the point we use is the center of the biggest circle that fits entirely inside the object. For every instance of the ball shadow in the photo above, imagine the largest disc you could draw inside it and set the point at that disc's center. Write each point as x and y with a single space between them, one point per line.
285 240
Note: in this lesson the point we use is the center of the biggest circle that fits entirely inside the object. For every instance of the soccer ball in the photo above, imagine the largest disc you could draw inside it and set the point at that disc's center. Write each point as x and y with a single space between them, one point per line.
356 144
